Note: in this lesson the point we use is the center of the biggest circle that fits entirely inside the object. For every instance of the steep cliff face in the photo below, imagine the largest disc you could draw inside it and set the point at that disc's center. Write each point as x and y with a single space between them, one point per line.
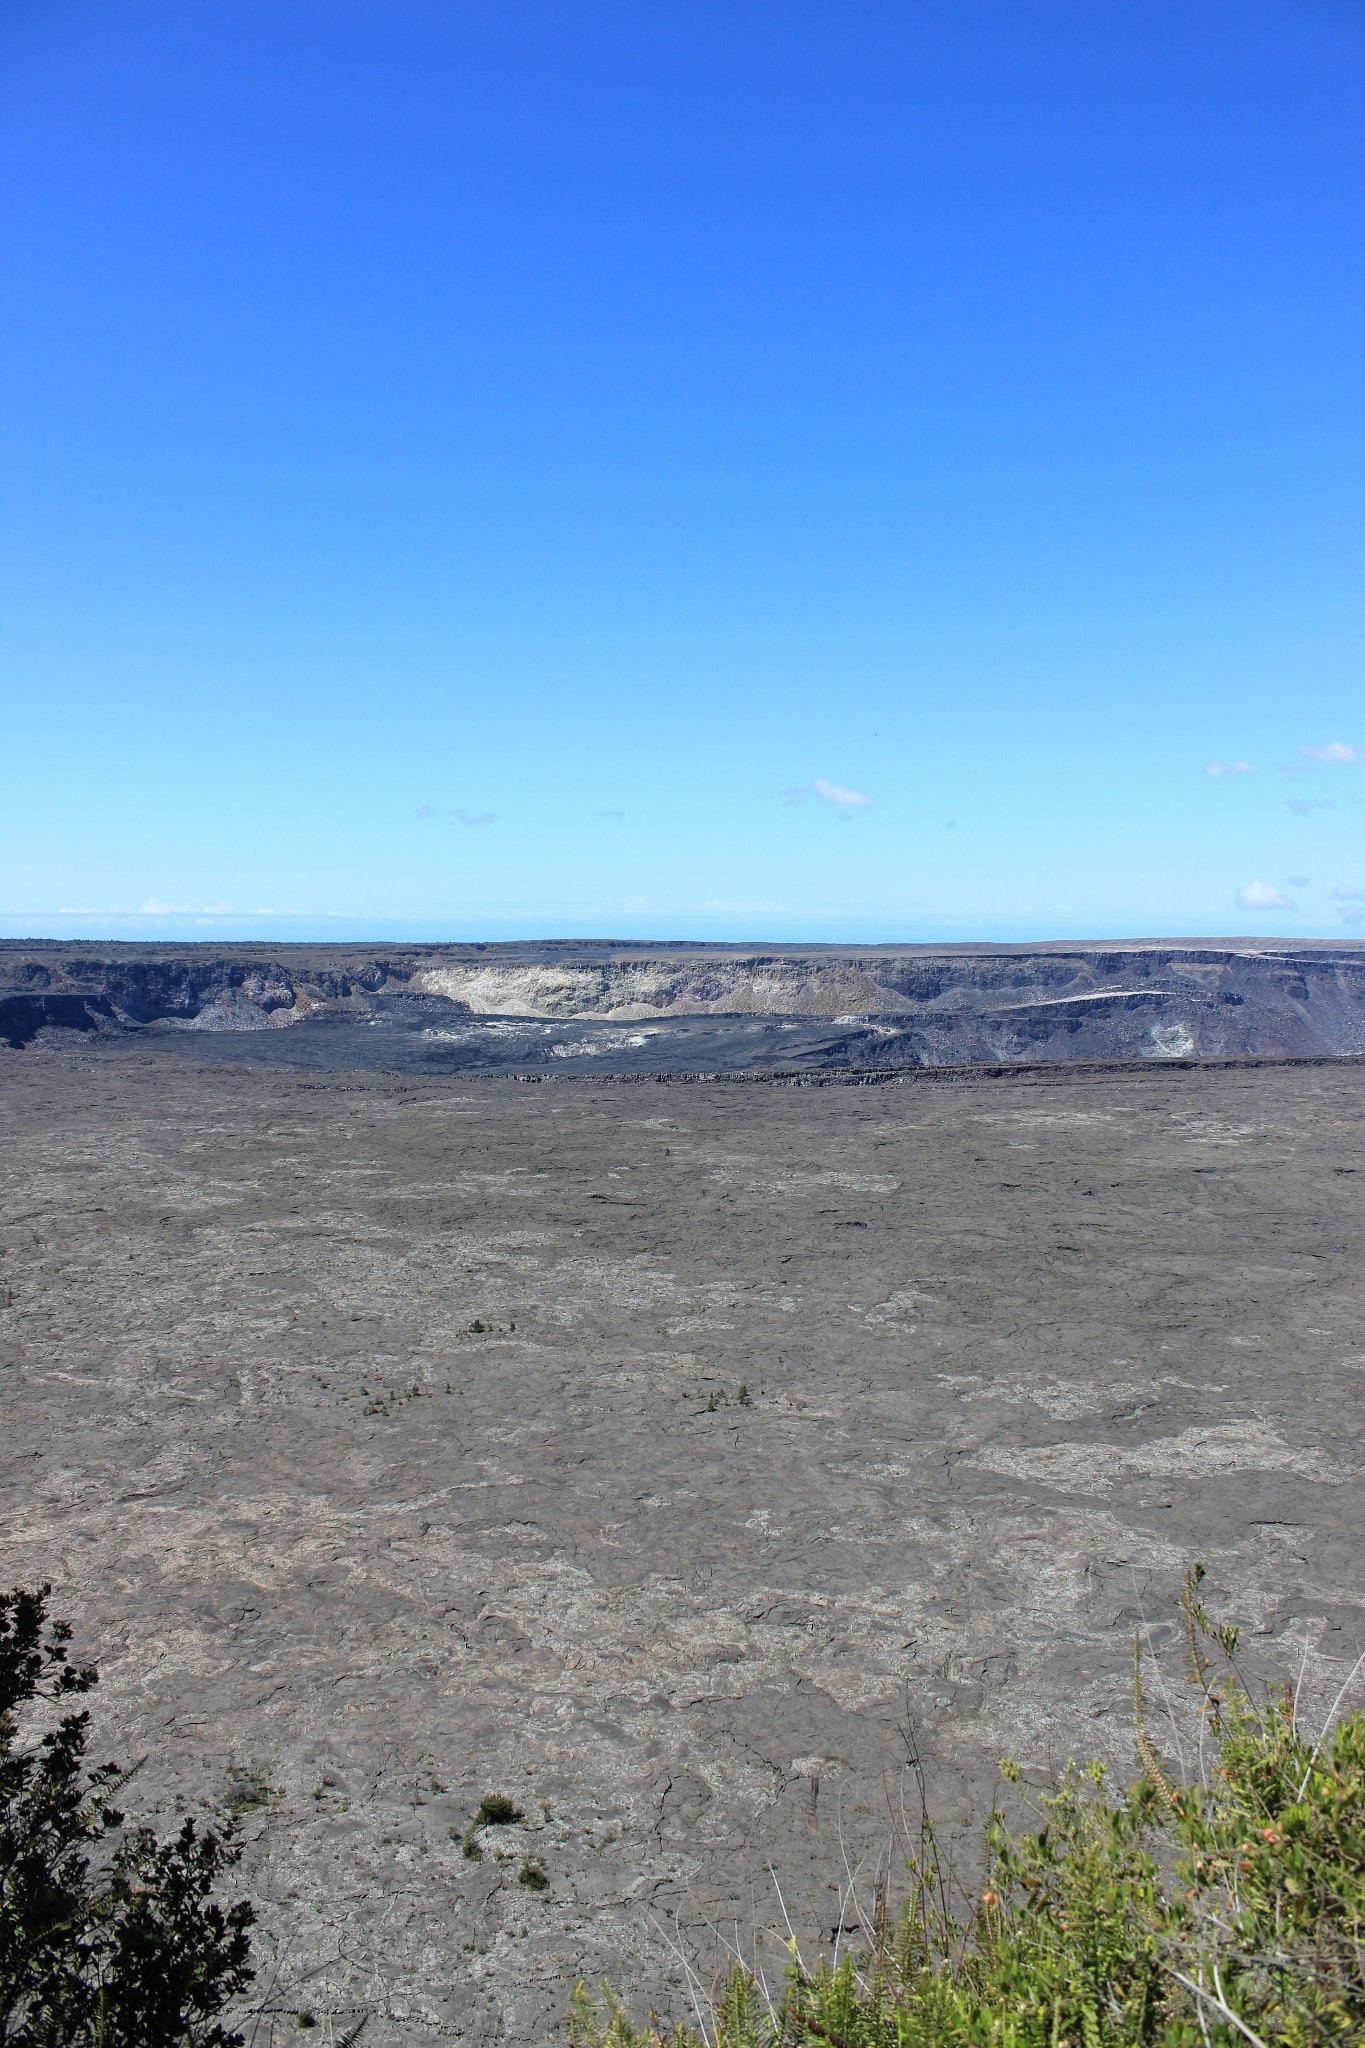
946 989
201 989
761 985
873 1006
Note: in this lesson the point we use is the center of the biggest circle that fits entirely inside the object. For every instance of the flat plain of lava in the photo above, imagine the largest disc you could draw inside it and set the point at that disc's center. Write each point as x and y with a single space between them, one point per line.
379 1423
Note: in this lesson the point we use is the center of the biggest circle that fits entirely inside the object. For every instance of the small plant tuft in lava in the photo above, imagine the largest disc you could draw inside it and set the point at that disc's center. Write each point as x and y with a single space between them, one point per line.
496 1810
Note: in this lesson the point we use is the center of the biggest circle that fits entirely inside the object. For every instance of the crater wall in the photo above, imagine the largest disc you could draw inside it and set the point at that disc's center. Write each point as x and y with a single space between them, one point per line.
859 1006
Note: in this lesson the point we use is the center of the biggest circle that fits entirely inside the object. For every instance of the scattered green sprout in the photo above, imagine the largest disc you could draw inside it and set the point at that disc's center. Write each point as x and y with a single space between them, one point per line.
494 1810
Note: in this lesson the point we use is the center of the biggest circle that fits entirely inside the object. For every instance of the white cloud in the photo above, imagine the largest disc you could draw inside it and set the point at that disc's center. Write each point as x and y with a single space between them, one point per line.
154 907
1334 750
831 792
424 813
1346 892
1229 768
1297 881
834 793
1263 896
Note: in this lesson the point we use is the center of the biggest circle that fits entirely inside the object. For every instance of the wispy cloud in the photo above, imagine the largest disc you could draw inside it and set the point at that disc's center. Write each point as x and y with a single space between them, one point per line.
1346 892
424 812
1263 896
1303 805
1297 881
1229 768
611 814
829 792
154 907
1334 750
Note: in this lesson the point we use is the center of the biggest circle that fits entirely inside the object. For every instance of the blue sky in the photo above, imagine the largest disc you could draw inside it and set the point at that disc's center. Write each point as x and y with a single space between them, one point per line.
755 471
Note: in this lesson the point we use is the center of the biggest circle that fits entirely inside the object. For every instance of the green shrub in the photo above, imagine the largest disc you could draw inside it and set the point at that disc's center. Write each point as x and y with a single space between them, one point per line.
496 1810
109 1938
1214 1914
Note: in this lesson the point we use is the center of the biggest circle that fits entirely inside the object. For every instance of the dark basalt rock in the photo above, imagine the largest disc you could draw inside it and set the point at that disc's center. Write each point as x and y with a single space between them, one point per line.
22 1017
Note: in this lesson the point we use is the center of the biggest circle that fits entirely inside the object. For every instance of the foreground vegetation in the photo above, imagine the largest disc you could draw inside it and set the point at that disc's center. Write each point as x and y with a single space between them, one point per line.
1206 1911
109 1937
1204 1914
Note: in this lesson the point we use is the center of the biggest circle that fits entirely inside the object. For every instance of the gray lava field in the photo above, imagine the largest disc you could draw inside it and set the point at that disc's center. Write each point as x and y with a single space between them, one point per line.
675 1458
